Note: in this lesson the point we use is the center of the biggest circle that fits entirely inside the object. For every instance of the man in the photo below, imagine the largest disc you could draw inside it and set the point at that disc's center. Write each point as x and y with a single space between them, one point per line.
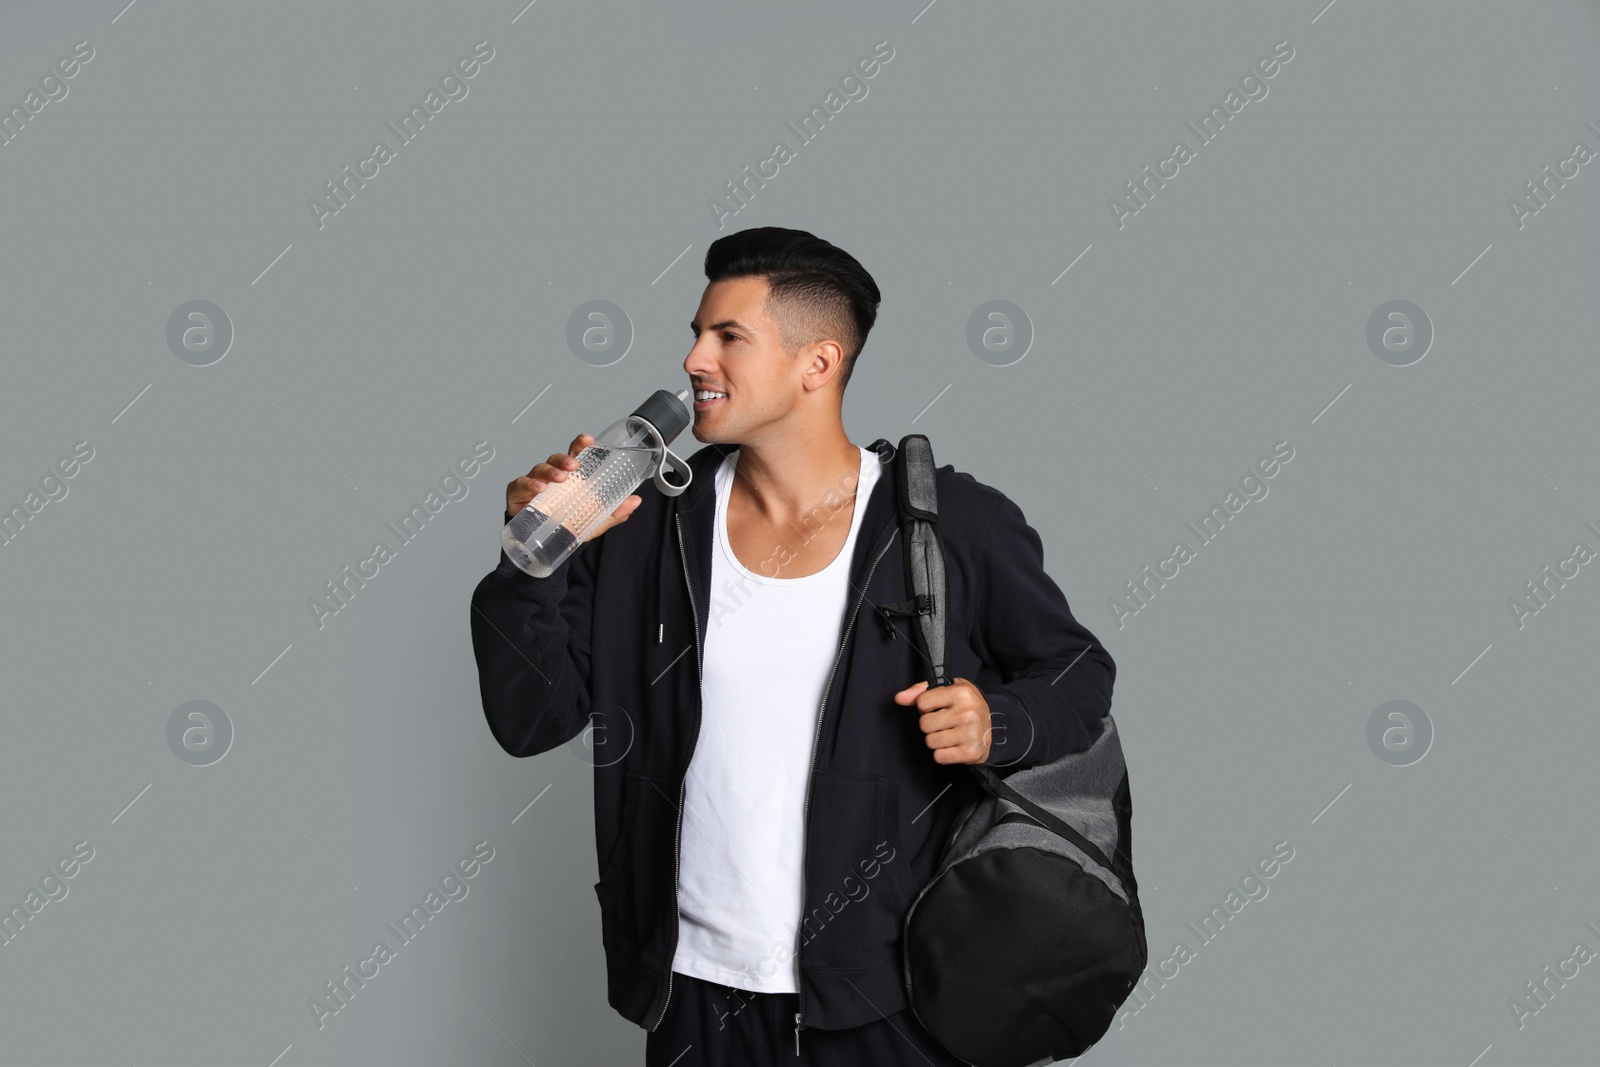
776 782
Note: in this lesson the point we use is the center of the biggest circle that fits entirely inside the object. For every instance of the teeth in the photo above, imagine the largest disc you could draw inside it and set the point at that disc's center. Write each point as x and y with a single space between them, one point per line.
706 394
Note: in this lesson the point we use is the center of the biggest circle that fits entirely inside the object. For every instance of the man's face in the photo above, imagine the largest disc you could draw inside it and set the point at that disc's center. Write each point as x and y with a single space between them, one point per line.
737 352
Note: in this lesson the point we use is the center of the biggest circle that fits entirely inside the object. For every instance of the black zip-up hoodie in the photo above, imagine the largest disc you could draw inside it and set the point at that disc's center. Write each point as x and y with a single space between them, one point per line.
617 631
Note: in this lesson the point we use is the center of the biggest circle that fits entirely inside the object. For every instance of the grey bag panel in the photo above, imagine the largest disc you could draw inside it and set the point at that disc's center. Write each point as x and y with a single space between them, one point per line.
1078 788
1092 774
983 832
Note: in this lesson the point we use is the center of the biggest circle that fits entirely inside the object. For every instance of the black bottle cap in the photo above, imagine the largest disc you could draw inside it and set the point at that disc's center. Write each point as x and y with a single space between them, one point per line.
666 412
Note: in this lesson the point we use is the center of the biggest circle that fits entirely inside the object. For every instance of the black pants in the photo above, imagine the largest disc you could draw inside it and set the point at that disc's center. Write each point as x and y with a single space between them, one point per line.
712 1025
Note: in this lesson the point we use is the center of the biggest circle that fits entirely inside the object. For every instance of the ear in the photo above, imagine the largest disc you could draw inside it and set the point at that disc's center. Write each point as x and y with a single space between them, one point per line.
821 362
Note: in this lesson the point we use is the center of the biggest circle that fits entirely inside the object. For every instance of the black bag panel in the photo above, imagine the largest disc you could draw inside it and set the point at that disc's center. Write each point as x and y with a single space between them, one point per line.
855 899
639 873
1017 953
1122 804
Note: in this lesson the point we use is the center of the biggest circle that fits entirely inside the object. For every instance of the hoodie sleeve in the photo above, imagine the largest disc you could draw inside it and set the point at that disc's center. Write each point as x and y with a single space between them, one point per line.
1056 676
531 638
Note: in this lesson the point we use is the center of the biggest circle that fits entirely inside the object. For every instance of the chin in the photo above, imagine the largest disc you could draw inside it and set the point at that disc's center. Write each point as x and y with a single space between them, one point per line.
709 435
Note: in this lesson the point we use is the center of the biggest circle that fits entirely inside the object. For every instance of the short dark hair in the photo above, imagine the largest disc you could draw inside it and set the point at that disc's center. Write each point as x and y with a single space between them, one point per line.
814 289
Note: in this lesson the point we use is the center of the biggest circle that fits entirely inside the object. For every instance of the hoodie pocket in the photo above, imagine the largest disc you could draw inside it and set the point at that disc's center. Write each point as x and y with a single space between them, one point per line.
854 904
630 803
636 882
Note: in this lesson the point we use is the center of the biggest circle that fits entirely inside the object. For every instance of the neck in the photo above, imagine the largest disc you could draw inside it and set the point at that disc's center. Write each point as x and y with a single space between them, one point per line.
784 477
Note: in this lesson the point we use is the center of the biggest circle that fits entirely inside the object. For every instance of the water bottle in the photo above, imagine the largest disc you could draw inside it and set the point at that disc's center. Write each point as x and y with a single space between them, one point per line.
541 537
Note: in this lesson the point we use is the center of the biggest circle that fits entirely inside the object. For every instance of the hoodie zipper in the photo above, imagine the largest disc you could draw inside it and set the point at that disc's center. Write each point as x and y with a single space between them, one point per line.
678 839
799 982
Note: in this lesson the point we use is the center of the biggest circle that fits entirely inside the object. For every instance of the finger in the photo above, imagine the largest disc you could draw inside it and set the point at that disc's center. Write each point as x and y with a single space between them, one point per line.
947 720
531 485
957 755
947 738
579 443
554 469
944 696
909 694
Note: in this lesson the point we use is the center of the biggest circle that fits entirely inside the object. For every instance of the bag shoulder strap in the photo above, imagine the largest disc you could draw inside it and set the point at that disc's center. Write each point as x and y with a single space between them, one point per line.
917 500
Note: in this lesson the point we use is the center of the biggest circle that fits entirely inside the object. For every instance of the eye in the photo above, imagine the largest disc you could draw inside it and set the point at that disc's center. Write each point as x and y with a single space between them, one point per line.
728 336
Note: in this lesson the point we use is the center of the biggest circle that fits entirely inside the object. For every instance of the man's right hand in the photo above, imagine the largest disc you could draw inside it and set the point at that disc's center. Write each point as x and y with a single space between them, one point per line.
524 489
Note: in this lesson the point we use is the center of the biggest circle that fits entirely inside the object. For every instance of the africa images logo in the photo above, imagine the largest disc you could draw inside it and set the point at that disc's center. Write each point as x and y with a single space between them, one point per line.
453 87
342 988
1253 86
852 87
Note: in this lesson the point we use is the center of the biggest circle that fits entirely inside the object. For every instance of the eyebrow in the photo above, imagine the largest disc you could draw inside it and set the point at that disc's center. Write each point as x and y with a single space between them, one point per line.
735 323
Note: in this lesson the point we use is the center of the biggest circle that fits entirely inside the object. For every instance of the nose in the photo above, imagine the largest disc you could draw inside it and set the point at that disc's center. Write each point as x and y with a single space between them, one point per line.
699 363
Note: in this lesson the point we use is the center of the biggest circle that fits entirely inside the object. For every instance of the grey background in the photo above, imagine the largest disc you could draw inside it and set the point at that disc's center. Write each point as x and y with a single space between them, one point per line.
1228 315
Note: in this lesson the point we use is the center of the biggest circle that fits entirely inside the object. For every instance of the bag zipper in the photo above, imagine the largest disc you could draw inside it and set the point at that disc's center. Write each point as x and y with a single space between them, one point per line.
678 839
799 982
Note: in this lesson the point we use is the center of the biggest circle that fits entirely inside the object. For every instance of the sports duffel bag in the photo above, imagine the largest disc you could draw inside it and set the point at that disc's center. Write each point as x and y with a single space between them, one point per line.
1029 936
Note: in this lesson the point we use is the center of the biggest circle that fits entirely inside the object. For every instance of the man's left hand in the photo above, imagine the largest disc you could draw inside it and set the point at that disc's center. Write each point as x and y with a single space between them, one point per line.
955 718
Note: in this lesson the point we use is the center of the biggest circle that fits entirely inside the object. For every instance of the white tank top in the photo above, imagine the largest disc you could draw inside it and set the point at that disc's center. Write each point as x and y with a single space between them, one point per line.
769 648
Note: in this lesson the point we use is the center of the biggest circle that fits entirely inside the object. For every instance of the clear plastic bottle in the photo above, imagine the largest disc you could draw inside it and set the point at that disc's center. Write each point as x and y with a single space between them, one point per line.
539 538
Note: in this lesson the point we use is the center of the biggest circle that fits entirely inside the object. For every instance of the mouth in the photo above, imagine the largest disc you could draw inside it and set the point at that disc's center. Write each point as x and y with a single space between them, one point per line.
706 399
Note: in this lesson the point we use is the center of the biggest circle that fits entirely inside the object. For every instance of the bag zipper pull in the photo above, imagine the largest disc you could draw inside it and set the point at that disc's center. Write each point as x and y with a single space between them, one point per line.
797 1033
